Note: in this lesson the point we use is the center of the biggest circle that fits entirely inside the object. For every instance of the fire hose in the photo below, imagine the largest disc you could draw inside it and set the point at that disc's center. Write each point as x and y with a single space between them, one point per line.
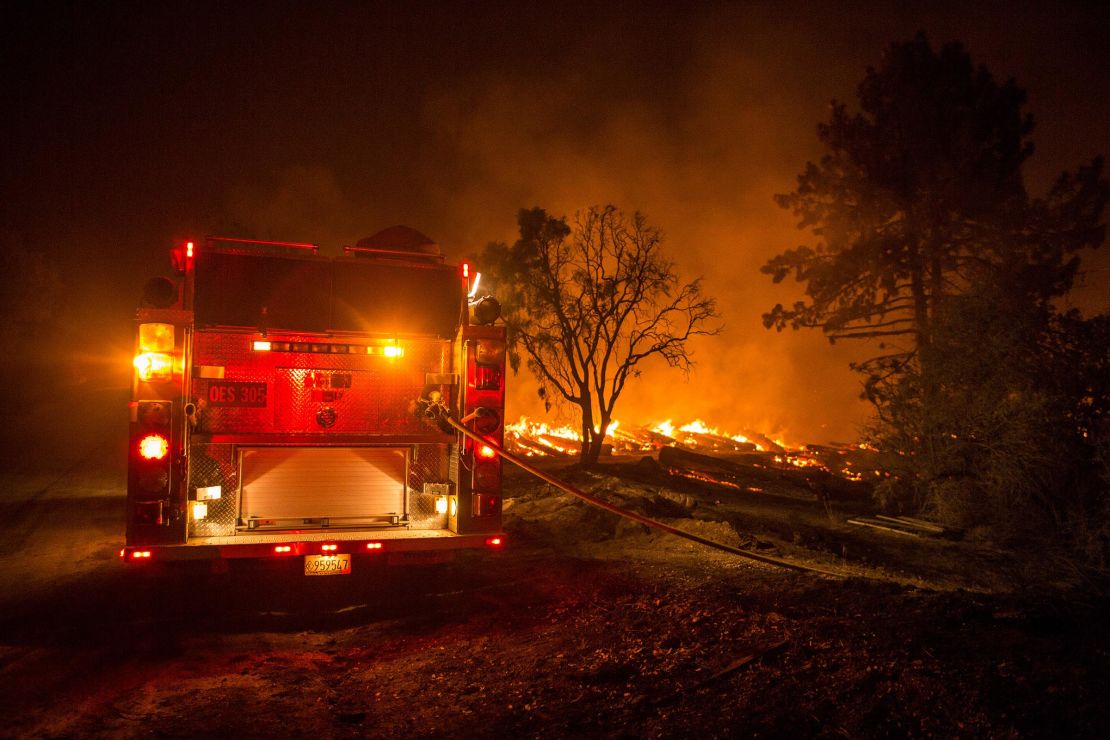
640 518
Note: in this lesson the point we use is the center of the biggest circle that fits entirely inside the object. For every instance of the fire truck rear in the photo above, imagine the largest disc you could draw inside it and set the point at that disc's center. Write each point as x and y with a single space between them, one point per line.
284 406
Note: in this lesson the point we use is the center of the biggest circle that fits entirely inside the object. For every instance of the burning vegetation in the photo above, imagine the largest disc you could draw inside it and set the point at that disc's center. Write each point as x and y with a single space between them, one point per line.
855 463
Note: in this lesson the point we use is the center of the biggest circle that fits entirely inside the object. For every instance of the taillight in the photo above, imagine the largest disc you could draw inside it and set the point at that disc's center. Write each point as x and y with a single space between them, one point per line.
283 549
329 548
373 545
485 504
495 542
487 422
487 377
150 471
483 407
154 447
487 476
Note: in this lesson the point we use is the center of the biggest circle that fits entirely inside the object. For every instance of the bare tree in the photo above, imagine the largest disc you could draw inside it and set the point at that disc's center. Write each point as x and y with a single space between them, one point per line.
588 302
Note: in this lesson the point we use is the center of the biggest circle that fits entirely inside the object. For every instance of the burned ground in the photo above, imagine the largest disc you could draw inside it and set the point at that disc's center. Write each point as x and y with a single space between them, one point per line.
585 625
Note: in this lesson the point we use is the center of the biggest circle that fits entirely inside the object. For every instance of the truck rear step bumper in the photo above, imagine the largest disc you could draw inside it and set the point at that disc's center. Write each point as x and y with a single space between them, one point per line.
312 543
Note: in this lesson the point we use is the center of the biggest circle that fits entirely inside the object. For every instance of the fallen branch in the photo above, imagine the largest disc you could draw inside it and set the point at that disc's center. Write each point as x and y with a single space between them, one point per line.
878 525
742 661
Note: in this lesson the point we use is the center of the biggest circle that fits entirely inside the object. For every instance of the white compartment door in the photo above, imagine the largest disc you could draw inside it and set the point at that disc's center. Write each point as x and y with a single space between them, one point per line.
322 482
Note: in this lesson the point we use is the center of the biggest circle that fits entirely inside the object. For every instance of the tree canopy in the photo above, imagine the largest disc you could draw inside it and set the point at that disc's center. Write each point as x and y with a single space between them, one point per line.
588 302
920 191
990 402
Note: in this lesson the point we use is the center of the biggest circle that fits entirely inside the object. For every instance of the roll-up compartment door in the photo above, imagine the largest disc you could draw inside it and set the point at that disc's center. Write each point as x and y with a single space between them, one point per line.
336 483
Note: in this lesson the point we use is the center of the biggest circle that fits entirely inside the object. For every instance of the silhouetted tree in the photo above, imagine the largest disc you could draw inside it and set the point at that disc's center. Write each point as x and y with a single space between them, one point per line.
586 303
919 192
989 401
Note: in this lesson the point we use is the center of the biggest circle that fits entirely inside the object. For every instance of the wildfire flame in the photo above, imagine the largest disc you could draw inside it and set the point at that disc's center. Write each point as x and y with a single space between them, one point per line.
536 438
531 437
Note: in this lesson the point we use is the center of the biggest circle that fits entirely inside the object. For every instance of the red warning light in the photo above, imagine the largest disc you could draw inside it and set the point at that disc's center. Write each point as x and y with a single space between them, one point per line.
486 452
154 447
495 542
373 545
188 250
466 269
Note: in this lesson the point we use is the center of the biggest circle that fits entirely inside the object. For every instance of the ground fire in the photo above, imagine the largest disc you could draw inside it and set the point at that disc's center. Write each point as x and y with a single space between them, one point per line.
851 462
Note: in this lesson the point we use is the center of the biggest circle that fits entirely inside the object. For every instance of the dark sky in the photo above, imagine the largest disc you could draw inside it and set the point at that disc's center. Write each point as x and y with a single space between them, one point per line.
129 126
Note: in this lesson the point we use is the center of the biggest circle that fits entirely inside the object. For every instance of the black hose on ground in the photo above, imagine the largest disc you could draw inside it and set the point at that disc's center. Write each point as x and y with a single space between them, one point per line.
602 504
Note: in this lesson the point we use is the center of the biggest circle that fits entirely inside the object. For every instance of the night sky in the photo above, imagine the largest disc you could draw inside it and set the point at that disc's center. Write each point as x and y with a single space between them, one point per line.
128 126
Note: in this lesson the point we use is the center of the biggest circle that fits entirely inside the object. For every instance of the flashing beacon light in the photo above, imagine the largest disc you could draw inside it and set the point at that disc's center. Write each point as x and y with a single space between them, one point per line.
188 250
466 270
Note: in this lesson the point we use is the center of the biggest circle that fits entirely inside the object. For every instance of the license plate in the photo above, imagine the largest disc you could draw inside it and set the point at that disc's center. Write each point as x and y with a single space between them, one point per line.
327 565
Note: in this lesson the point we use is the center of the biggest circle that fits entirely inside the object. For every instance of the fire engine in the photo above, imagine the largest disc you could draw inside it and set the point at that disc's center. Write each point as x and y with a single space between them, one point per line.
287 404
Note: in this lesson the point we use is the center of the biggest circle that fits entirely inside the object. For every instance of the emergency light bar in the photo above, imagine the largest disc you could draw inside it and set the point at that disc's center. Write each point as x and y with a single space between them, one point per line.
329 348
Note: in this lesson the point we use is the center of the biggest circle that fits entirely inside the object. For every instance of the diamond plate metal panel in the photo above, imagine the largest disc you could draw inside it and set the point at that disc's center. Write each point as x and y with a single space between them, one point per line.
428 466
314 392
214 465
376 402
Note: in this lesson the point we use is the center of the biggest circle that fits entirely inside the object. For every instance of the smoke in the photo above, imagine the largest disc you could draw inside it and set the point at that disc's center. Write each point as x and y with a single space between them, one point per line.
701 157
325 125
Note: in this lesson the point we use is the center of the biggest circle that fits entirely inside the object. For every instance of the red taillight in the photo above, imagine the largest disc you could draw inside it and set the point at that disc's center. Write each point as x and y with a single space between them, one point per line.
188 250
487 377
373 545
154 447
466 270
282 549
486 452
495 542
487 476
140 554
329 548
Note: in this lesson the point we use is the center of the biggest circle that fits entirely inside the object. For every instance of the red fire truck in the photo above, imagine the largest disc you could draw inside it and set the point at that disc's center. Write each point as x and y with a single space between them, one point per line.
289 405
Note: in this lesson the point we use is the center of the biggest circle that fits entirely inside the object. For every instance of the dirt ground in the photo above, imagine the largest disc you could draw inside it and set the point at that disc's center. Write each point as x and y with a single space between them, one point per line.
583 626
